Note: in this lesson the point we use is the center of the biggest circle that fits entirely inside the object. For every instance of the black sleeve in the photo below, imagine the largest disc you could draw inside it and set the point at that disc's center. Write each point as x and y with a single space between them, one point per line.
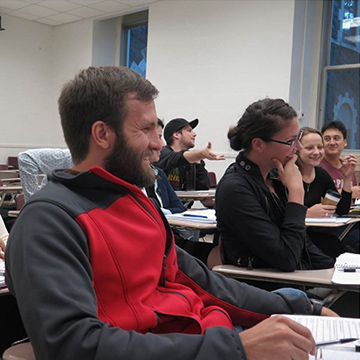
237 295
170 159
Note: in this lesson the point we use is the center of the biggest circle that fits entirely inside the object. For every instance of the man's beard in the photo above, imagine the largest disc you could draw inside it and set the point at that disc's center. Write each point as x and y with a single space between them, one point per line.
127 165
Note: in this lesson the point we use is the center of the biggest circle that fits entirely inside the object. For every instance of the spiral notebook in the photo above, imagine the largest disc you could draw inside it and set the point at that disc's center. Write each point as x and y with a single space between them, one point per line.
347 269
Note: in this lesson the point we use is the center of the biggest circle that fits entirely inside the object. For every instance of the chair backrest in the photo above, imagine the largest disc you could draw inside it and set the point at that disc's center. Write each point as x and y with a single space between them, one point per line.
214 257
22 351
212 177
13 162
19 201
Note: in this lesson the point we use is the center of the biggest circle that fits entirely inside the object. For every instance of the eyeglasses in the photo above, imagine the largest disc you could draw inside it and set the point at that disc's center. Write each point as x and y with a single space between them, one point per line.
290 142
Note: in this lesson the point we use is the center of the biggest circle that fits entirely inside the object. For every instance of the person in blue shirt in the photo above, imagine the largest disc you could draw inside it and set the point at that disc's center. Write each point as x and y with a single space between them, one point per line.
162 191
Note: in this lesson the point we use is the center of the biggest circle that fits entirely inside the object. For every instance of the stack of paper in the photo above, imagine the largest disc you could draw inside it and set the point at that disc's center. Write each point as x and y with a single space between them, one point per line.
325 328
347 269
207 216
332 219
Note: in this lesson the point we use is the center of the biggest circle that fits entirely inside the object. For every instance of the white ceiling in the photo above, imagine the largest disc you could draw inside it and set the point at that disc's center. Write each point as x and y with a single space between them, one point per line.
57 12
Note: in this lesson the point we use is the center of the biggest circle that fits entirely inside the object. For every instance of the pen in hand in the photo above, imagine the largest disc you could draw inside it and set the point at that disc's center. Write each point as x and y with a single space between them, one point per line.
196 216
320 345
333 342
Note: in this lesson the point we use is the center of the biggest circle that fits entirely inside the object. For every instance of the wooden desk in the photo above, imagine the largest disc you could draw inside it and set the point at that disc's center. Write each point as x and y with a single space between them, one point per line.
11 180
193 219
192 224
5 174
348 226
9 190
317 278
196 194
354 219
13 213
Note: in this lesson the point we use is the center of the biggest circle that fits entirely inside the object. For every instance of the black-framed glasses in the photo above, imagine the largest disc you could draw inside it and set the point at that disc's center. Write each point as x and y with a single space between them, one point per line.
290 142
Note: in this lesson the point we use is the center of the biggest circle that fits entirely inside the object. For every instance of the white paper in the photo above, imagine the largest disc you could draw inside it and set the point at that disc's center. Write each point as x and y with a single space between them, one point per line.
331 219
325 328
347 260
207 216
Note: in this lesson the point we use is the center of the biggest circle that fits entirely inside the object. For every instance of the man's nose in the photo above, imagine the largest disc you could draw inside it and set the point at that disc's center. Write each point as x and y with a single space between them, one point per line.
155 142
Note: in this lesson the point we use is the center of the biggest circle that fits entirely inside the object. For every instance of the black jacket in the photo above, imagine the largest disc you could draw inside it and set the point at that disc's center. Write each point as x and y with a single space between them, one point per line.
177 168
257 229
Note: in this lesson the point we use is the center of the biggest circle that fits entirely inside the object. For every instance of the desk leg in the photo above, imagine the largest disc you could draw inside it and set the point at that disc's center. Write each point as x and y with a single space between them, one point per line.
333 296
345 232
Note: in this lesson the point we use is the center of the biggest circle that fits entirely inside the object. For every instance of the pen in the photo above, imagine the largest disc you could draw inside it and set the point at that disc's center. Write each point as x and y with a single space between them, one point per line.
196 216
349 269
332 342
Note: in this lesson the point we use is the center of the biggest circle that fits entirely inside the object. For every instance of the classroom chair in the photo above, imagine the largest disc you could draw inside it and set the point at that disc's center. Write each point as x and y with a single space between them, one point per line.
210 203
13 162
22 351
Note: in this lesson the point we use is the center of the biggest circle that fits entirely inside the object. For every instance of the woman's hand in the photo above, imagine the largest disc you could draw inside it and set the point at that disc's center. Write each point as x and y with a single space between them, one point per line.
291 178
320 210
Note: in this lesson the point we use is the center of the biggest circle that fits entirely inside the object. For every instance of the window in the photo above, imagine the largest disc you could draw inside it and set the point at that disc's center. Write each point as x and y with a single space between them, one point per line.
341 73
134 42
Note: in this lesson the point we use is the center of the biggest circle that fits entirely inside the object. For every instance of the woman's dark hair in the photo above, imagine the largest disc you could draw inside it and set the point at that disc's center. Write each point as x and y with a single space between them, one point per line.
262 119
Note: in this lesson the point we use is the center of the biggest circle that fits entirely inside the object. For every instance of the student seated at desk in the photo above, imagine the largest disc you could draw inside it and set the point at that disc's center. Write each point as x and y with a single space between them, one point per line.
161 191
35 162
103 277
334 134
260 212
165 197
317 182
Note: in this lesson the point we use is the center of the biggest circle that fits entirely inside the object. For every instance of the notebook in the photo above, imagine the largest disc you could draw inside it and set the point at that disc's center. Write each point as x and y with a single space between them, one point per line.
347 269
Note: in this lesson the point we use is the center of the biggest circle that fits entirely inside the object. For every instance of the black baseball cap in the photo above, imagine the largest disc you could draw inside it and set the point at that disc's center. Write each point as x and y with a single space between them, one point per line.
175 125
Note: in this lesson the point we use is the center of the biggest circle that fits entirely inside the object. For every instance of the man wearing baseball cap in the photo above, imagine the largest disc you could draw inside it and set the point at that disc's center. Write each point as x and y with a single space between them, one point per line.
185 168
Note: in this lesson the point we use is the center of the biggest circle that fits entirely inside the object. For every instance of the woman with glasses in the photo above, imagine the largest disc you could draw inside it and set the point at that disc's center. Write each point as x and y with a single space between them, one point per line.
260 199
317 182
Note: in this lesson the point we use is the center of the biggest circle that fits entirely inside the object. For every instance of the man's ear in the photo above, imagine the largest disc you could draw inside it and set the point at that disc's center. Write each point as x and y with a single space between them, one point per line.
102 135
258 144
176 135
345 141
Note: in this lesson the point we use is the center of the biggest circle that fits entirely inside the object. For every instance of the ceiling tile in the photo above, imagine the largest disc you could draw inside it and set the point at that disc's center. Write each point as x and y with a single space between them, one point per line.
109 6
47 21
4 10
13 4
38 11
60 5
86 12
20 14
63 18
86 2
135 2
33 1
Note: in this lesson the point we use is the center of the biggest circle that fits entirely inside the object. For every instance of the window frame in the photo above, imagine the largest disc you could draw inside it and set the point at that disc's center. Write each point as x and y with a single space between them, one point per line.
326 67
